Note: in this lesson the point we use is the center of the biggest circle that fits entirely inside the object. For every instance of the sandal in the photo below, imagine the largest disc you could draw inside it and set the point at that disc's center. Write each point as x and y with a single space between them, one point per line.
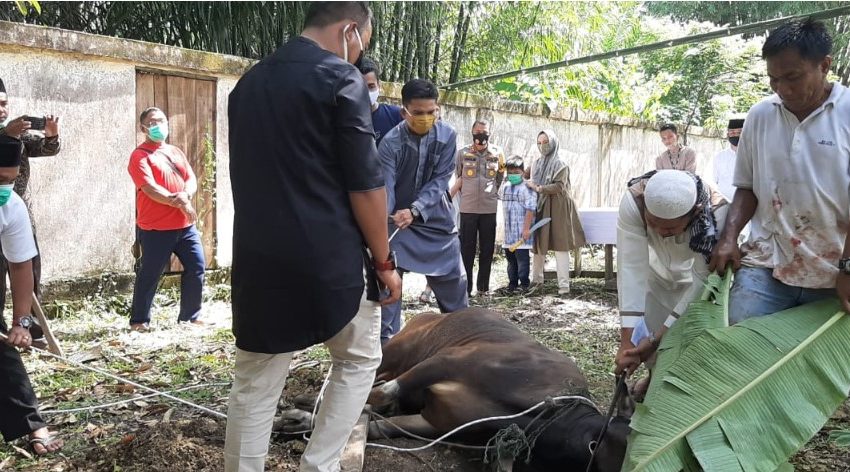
140 327
52 439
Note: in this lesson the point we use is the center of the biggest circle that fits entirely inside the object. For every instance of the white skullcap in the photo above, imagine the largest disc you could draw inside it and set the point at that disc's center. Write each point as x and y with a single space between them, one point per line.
670 194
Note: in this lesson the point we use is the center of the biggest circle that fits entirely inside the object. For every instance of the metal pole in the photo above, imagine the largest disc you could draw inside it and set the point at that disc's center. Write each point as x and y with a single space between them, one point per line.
697 38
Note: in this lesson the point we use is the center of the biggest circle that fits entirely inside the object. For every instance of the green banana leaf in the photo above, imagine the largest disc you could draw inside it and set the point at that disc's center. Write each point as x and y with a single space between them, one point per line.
740 398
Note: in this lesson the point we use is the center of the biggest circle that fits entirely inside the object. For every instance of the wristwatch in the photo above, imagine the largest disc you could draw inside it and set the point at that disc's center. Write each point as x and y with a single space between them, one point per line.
389 264
844 265
653 340
415 212
25 322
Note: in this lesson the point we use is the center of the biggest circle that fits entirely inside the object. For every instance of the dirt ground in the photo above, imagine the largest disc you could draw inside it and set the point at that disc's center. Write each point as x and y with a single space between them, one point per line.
156 435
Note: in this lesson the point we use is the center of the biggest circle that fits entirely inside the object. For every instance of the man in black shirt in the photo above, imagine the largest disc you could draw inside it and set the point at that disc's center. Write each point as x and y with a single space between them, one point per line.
308 193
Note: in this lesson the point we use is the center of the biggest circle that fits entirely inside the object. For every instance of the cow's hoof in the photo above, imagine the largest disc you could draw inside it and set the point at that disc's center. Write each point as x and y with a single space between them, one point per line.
305 401
293 421
384 394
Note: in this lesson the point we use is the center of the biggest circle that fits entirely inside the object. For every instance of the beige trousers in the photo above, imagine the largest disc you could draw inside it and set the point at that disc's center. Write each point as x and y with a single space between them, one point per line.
260 379
562 261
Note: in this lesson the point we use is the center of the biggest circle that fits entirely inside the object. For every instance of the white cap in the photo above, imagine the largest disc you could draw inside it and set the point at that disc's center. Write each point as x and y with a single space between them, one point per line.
670 194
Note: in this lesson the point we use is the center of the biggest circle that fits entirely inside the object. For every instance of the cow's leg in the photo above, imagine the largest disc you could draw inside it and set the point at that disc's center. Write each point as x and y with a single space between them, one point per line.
293 421
411 383
389 428
384 394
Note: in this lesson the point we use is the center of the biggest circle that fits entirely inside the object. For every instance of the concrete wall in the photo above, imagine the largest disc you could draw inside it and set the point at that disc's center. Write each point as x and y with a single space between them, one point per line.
84 199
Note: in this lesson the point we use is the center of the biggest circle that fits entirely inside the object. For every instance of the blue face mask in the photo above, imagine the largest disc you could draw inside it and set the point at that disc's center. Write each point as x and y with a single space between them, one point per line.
6 193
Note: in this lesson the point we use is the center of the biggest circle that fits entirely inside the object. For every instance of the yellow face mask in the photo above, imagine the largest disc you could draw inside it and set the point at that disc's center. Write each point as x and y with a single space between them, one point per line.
421 124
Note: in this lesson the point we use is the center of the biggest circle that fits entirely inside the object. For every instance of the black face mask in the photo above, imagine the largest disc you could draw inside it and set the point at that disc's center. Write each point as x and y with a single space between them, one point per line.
733 140
481 138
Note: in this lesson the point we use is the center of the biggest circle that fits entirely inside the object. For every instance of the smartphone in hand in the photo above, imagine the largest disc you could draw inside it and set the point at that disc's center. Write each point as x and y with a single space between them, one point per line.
37 122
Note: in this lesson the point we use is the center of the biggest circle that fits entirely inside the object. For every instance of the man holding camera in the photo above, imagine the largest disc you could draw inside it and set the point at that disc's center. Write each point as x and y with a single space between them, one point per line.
40 136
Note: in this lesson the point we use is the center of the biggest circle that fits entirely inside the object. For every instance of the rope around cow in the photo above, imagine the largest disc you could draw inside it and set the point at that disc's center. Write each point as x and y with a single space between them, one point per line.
576 399
513 446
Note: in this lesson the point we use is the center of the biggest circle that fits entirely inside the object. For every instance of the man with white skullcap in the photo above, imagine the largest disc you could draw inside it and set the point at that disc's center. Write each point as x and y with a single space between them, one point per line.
667 227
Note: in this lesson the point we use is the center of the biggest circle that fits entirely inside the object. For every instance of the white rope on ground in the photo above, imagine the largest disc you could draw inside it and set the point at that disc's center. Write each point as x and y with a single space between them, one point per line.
3 337
318 401
121 402
482 420
423 438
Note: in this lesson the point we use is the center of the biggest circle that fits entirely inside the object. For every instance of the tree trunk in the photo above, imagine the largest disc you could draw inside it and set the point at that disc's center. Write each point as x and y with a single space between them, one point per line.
407 54
397 41
462 44
424 42
435 64
454 66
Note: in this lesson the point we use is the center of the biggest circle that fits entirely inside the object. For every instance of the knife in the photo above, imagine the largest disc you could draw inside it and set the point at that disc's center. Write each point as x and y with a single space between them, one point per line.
531 230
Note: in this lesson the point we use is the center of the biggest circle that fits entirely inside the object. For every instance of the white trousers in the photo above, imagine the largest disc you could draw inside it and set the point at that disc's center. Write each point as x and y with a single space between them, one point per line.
260 379
562 261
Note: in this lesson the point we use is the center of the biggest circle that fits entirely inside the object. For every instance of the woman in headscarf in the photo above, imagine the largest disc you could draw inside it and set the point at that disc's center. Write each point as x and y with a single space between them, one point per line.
550 178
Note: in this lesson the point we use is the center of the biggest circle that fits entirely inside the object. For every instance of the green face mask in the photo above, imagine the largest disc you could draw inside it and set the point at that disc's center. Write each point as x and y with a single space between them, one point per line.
158 133
6 193
515 179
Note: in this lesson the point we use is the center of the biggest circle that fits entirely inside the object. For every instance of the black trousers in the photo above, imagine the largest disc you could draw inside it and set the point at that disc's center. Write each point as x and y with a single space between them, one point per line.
477 232
18 404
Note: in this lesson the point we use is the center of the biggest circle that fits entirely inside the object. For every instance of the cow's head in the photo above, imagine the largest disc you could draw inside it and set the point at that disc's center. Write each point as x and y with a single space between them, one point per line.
570 442
612 450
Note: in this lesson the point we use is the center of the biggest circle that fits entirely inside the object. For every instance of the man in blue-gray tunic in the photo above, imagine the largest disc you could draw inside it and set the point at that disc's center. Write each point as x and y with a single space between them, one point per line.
418 160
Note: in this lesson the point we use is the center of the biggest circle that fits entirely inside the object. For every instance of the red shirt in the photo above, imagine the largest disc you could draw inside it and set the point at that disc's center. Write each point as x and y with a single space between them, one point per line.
149 165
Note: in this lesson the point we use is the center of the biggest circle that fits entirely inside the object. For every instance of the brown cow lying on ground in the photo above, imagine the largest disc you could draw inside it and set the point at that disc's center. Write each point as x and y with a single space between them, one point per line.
442 371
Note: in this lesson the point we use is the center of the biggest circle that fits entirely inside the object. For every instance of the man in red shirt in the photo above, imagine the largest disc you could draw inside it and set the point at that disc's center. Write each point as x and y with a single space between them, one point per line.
165 221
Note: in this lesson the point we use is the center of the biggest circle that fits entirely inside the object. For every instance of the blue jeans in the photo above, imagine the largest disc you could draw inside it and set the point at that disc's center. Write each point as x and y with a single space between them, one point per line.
157 247
756 293
518 268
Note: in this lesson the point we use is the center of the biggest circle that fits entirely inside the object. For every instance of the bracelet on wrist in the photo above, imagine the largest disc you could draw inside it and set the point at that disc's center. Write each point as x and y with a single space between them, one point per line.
386 265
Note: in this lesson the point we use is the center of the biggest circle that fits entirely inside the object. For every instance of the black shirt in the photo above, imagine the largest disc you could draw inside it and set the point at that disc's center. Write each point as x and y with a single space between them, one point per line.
301 139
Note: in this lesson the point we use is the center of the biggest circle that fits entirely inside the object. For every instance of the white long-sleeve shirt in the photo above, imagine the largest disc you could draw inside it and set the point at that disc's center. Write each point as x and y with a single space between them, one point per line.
724 172
648 262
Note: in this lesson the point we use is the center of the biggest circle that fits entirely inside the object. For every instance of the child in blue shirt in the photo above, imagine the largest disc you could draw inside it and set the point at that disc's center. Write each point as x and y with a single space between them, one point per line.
519 204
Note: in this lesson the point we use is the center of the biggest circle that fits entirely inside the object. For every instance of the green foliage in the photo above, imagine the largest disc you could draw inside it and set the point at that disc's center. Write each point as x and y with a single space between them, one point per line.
704 83
24 6
205 197
451 41
840 437
744 397
738 13
519 35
